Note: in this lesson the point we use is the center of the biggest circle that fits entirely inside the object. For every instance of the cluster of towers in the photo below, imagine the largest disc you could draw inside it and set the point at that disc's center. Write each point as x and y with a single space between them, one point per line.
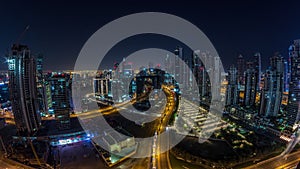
250 87
33 93
196 73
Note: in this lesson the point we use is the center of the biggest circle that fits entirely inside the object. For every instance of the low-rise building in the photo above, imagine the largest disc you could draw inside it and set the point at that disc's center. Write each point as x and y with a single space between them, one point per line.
116 141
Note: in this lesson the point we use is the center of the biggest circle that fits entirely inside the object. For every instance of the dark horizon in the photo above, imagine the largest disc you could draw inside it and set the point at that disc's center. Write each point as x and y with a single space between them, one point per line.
58 30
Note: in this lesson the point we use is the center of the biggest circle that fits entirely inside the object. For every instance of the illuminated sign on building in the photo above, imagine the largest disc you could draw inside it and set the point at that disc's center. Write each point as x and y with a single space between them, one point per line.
11 64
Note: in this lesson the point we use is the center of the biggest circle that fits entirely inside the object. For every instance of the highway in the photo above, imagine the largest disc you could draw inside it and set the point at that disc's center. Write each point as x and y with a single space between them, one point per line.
11 164
158 160
162 158
159 126
278 162
5 165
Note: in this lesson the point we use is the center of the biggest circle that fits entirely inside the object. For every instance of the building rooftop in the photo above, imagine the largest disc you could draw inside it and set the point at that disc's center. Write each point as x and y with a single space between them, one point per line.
117 136
109 139
49 128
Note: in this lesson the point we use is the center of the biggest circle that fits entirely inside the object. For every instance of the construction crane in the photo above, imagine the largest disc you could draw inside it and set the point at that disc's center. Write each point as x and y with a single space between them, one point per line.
17 41
22 34
30 141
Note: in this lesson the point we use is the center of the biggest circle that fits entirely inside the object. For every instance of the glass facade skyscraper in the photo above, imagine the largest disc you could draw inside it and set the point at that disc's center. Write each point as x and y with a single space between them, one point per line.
250 87
232 87
178 65
241 69
41 85
23 89
293 107
60 97
271 96
257 67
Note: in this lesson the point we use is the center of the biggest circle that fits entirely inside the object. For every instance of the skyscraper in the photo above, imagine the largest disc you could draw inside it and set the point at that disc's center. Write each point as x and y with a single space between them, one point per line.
201 75
41 98
60 97
286 75
250 87
127 72
250 65
102 87
196 66
257 67
241 69
186 75
168 64
216 79
127 69
293 107
271 96
178 65
232 87
23 90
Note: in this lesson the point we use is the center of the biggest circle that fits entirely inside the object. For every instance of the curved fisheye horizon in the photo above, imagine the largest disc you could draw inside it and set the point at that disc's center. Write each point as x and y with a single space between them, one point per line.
122 28
147 88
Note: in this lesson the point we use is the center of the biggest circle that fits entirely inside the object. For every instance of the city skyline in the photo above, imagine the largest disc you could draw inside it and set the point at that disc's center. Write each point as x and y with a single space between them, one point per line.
109 84
61 34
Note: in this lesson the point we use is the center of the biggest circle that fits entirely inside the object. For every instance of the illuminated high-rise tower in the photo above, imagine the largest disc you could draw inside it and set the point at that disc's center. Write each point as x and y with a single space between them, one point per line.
178 65
201 74
127 69
23 90
168 64
197 67
271 96
102 85
60 97
257 67
293 107
241 69
232 88
250 87
286 75
41 92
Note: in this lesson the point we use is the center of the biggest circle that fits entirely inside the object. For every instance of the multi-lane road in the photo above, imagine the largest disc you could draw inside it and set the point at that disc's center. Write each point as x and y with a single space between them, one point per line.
11 164
5 165
279 162
162 158
163 143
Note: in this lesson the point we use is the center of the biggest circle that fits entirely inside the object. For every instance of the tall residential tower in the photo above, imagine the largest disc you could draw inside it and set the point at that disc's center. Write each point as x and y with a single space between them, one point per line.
271 96
23 89
293 107
60 96
232 87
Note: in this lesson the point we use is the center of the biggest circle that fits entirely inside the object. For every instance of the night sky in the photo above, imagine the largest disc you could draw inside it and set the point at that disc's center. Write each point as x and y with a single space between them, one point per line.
58 30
